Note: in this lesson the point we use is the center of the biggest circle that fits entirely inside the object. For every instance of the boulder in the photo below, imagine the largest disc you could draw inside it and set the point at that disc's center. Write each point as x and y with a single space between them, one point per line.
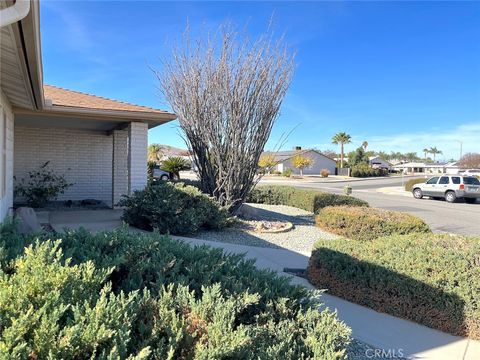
28 222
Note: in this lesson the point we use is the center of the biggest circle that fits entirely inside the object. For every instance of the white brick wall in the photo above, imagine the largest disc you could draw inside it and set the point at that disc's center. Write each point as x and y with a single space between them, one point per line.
138 143
84 157
6 201
120 164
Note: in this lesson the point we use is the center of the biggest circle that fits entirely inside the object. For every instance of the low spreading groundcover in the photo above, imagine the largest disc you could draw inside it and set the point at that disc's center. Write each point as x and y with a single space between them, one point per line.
431 279
117 295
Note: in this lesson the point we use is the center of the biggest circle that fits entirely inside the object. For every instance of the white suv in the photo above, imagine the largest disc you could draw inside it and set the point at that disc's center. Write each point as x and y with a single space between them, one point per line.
449 187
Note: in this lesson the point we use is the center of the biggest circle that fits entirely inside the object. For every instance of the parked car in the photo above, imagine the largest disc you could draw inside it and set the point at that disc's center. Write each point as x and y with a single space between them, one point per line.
161 174
449 187
473 172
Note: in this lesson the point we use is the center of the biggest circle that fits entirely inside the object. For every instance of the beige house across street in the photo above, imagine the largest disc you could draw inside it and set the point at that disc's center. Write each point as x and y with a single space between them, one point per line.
99 144
320 161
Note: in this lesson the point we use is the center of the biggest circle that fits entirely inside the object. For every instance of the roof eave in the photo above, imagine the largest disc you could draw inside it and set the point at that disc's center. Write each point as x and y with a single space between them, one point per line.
153 119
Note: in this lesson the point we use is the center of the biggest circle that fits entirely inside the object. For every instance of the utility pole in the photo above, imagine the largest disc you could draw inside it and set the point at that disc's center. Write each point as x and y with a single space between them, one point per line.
461 146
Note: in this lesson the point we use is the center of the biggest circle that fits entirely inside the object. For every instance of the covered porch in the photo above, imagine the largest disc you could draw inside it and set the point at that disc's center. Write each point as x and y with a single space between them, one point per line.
104 158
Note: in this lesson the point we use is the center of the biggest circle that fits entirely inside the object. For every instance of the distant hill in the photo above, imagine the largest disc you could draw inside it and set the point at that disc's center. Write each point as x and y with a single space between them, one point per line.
169 151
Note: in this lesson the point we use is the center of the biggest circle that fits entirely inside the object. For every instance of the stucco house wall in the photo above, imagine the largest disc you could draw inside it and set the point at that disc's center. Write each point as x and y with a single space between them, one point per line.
83 156
320 162
6 156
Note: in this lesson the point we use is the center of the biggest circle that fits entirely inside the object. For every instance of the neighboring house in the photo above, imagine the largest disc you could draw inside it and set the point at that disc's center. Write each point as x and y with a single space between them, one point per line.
320 161
378 163
99 144
427 168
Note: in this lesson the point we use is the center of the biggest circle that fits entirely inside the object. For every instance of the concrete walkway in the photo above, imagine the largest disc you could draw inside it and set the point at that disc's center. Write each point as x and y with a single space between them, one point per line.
395 190
376 329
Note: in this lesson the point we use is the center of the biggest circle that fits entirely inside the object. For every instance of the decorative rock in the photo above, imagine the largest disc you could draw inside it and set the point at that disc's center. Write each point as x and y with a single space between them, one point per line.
28 220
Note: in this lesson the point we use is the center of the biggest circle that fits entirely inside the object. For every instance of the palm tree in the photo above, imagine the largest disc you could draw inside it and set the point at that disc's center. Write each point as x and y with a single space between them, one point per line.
425 152
365 145
434 151
155 153
342 139
175 164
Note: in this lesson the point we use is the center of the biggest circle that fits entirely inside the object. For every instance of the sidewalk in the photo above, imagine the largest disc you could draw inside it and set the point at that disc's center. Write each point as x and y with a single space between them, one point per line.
376 329
395 190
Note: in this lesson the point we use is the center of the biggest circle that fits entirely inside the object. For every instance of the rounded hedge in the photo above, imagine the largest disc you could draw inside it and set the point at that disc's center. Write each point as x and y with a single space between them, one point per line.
362 223
431 279
173 208
306 199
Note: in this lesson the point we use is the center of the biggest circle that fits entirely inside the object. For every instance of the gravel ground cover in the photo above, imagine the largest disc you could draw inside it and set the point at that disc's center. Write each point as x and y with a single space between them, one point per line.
300 238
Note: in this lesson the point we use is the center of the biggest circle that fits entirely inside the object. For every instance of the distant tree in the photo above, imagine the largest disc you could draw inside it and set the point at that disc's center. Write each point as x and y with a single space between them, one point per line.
365 145
302 162
358 157
470 161
425 152
155 153
175 164
330 153
227 89
411 156
383 155
267 162
341 138
434 151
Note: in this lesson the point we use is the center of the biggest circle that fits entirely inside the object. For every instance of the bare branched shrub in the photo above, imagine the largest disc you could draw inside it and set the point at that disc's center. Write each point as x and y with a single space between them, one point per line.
226 91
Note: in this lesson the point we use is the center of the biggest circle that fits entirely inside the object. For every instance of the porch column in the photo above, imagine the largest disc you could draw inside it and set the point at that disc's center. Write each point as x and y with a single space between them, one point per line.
120 165
137 156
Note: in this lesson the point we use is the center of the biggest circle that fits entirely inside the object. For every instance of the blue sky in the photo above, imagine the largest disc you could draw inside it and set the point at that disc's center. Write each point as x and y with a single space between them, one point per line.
401 75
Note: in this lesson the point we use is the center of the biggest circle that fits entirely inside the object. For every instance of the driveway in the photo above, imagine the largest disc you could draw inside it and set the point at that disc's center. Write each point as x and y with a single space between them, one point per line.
457 218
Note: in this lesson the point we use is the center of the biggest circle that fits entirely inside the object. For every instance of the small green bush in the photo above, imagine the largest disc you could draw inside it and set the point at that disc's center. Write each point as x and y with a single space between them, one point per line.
41 185
361 223
118 295
409 184
309 200
431 279
173 208
364 170
287 172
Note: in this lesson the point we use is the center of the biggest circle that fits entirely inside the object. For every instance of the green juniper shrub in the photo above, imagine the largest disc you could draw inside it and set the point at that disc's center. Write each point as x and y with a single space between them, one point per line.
431 279
410 183
173 208
361 223
145 296
309 200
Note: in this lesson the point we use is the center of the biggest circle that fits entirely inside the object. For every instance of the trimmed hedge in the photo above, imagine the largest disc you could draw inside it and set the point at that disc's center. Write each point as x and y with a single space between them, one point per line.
173 208
309 200
409 184
118 295
362 223
431 279
366 171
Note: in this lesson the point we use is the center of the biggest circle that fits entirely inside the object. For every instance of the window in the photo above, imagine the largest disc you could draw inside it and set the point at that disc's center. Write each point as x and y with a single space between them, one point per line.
471 181
444 180
456 180
432 180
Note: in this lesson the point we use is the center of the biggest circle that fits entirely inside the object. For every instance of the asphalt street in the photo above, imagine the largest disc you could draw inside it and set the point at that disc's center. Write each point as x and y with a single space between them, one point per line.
456 218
